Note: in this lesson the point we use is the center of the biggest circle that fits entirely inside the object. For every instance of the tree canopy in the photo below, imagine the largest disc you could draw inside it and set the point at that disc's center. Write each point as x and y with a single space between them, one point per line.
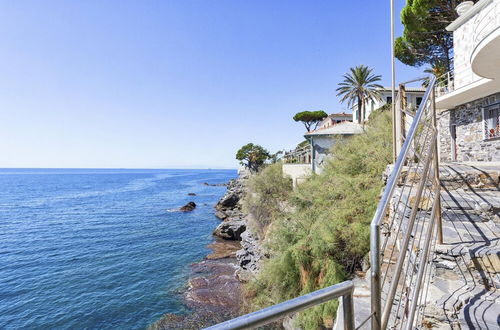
425 39
310 118
359 85
253 156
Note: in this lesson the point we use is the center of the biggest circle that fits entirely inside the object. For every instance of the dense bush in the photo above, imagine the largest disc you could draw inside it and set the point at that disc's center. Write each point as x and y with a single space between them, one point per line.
267 192
324 237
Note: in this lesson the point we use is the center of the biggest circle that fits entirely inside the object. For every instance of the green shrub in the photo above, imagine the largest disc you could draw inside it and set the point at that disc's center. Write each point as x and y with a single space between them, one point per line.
267 192
324 239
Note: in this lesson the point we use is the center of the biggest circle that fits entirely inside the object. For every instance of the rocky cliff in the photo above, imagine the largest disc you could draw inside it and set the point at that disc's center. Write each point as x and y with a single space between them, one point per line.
234 226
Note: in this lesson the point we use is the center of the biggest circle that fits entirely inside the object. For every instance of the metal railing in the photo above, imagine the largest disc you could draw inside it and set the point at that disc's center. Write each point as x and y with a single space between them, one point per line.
292 306
486 21
403 227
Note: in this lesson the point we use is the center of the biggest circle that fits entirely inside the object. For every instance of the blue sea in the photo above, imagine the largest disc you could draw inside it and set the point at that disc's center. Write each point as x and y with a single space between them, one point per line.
100 249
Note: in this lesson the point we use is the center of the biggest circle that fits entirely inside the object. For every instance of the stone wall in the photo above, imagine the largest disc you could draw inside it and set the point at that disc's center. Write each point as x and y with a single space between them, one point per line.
470 142
322 148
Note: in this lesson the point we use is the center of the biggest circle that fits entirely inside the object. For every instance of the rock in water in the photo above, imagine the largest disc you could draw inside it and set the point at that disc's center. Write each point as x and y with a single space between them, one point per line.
229 200
230 229
191 194
221 215
188 207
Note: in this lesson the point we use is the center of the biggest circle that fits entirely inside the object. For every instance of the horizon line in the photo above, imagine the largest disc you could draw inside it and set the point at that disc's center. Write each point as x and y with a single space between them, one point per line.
119 168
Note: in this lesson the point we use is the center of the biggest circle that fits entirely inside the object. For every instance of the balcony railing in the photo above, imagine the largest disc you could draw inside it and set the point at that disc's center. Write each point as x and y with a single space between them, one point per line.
486 21
455 79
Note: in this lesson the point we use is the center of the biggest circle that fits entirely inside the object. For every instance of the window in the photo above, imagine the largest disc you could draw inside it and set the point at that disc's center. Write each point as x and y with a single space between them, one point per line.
388 99
419 100
491 122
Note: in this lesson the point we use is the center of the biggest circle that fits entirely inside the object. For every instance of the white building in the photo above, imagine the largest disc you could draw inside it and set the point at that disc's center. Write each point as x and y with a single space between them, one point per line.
323 139
414 96
300 164
469 96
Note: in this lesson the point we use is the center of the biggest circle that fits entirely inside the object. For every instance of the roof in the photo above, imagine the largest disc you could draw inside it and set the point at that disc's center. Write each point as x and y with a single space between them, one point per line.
340 114
344 128
407 89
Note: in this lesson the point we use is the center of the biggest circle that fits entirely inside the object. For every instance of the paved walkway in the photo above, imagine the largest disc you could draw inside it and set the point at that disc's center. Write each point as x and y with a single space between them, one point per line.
464 289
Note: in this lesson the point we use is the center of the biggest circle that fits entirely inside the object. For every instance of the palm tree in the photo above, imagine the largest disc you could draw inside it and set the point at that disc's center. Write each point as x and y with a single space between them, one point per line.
358 86
438 70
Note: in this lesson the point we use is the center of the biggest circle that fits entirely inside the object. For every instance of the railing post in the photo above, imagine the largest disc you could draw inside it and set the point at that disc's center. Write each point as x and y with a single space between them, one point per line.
348 305
439 222
422 267
406 238
376 298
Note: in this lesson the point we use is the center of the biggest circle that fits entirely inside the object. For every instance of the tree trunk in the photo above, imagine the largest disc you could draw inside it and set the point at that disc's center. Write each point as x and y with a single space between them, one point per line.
363 112
359 110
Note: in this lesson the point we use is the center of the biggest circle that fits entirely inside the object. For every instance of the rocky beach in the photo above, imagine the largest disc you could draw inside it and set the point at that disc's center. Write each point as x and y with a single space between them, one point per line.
213 292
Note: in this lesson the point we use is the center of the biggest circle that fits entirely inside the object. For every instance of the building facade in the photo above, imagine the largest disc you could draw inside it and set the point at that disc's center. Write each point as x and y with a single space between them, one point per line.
414 96
468 98
335 118
322 141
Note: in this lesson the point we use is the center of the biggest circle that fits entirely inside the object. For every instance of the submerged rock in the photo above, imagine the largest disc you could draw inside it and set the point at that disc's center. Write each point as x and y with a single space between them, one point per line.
214 184
223 249
188 207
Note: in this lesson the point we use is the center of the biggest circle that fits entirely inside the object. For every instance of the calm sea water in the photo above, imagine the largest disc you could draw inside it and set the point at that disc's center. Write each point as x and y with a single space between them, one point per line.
98 249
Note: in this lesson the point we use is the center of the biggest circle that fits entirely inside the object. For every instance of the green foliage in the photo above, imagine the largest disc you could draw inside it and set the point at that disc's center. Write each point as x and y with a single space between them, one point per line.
267 191
358 86
425 39
252 156
324 237
375 113
302 144
438 70
309 118
276 157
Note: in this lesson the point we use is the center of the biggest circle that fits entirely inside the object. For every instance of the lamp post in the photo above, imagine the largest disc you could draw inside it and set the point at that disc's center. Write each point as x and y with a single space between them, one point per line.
393 87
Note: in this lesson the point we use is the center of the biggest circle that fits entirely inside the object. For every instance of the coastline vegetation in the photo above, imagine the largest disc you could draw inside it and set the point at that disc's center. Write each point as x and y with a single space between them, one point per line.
318 235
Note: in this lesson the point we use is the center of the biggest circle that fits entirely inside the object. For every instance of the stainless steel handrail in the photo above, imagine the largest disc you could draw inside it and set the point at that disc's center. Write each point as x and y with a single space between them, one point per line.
406 238
423 261
278 311
375 264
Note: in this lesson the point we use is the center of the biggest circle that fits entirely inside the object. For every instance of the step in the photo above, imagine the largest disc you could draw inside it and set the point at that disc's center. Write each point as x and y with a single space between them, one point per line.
477 175
485 201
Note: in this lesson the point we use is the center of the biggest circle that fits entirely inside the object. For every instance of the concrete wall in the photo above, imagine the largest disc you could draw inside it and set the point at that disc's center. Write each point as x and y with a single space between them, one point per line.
298 172
321 149
471 144
463 44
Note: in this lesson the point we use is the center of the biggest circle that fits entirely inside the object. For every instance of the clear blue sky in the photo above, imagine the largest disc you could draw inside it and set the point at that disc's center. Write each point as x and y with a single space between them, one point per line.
185 83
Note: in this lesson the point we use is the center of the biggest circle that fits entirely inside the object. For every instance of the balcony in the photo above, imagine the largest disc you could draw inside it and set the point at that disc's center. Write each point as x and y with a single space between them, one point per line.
476 71
486 51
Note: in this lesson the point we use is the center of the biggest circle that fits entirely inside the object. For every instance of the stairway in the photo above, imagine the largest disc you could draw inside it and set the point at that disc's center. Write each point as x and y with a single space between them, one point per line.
464 289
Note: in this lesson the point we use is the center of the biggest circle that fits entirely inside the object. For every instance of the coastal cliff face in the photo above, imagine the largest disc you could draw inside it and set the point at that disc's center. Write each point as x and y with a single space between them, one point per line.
235 226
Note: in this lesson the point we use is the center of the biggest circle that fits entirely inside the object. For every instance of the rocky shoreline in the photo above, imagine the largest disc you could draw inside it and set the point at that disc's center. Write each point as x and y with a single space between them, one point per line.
214 289
235 226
